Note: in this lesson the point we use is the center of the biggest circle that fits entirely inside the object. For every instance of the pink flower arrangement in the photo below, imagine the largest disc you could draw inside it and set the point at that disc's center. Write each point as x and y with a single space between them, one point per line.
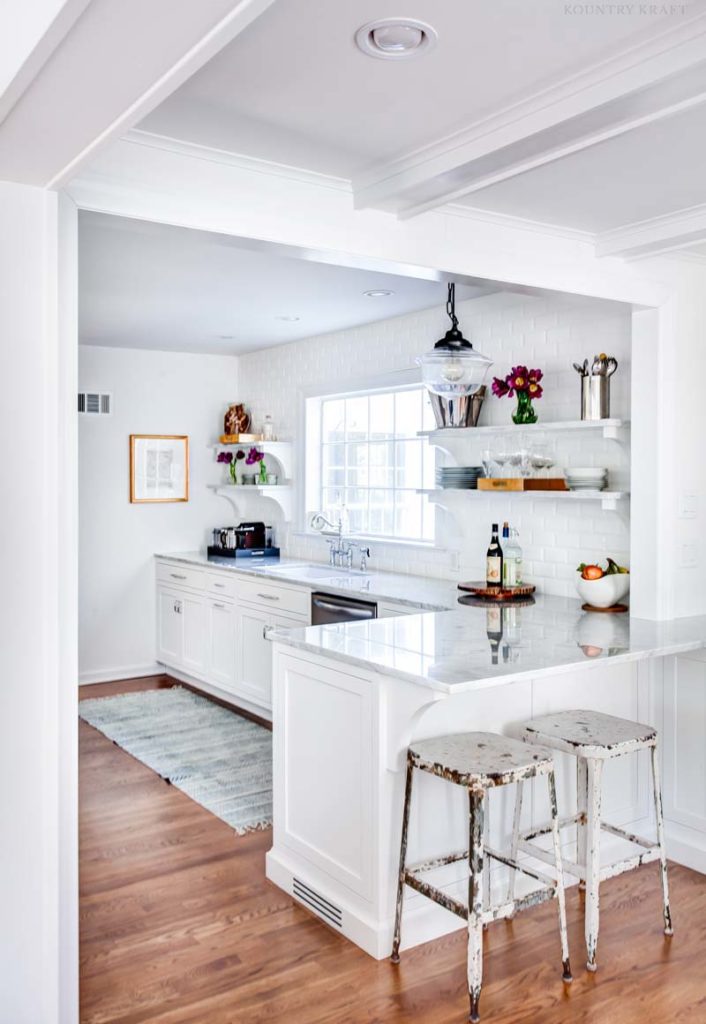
520 380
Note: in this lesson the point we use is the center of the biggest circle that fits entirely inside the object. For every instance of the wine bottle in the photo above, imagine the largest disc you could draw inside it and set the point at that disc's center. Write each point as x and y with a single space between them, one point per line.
494 561
512 559
494 629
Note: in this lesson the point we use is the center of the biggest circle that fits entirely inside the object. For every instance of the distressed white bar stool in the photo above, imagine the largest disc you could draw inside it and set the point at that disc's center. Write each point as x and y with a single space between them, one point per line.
593 738
480 761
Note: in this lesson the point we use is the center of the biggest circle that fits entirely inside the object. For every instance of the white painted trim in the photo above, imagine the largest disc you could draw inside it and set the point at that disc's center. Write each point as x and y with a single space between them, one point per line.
140 137
655 59
210 44
215 691
110 675
506 220
686 846
656 235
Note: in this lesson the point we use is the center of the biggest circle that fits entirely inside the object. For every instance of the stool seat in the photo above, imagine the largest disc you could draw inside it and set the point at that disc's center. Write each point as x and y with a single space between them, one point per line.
480 759
589 733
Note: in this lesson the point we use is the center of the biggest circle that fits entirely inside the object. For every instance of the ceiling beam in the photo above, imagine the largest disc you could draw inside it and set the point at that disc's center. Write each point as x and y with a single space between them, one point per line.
659 78
119 60
678 230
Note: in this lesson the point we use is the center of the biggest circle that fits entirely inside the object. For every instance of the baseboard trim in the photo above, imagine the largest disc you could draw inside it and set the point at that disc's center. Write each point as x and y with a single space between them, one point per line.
113 675
686 846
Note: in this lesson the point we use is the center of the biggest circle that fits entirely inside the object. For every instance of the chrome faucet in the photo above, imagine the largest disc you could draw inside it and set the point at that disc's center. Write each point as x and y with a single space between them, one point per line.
340 550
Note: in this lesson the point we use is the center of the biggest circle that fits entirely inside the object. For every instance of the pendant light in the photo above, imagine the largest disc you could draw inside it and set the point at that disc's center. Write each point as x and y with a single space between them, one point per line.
453 367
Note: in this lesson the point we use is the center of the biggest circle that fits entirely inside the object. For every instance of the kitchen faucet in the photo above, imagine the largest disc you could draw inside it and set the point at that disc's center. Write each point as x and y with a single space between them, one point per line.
340 550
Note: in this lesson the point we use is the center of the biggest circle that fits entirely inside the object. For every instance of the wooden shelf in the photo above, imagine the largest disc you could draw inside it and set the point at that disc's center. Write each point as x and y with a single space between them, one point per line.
611 428
608 499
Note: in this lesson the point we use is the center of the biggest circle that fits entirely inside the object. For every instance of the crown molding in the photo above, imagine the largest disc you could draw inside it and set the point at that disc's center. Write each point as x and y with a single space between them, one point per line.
197 151
657 77
506 220
665 234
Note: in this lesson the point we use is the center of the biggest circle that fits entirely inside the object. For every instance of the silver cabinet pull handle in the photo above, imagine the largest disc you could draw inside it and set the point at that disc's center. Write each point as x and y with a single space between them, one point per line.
268 597
217 605
219 585
177 576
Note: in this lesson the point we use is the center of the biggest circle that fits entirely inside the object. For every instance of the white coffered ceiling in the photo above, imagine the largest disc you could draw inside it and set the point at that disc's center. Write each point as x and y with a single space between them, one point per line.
584 116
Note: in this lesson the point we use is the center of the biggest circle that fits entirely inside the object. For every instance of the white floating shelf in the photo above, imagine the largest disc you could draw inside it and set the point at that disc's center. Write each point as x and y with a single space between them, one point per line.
610 429
281 493
608 499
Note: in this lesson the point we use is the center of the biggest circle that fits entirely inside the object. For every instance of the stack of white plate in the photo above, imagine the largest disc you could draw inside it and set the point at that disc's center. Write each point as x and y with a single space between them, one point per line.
587 479
458 477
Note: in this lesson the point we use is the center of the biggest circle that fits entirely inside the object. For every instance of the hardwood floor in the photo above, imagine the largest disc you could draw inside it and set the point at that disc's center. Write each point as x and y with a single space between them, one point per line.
180 926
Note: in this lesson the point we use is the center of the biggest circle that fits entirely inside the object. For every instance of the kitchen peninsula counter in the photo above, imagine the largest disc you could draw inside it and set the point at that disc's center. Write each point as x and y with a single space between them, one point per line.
348 699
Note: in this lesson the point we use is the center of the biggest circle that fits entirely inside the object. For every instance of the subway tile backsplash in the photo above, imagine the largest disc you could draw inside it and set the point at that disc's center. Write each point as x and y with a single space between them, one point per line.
550 333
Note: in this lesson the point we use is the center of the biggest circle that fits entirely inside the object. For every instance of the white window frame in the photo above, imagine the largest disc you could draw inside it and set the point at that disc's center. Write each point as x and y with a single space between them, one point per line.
312 436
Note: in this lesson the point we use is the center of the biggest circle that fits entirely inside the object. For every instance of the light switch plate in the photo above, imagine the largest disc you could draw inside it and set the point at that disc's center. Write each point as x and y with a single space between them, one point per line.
688 506
689 556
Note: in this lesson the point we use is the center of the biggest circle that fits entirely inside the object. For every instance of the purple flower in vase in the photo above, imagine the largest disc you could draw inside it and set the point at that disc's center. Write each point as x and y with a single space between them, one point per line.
225 457
240 454
254 456
500 387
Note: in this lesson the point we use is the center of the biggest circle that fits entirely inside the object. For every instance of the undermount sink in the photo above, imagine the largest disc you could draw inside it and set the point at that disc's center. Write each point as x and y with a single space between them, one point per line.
315 572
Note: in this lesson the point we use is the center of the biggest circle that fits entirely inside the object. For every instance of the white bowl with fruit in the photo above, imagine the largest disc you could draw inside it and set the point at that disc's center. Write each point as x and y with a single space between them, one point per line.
603 588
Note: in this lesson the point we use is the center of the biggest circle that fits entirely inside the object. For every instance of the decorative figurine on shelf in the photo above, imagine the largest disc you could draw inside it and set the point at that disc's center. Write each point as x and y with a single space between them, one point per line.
237 420
524 384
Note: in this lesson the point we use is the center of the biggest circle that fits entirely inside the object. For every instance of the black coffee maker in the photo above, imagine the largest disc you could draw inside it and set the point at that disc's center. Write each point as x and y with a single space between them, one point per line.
246 540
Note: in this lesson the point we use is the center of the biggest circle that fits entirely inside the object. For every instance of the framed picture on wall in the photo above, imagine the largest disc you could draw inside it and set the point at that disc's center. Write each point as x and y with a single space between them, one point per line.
159 468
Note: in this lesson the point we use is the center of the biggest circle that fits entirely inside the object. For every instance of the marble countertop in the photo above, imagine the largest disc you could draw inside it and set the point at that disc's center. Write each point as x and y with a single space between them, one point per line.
414 591
450 651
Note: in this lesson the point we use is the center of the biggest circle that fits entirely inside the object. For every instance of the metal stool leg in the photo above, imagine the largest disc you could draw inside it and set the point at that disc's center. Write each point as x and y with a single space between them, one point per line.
395 957
593 859
581 808
560 896
514 845
475 899
668 929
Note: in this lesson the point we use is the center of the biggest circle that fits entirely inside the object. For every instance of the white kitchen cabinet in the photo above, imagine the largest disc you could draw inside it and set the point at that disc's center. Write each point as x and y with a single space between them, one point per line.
222 644
169 626
181 628
254 670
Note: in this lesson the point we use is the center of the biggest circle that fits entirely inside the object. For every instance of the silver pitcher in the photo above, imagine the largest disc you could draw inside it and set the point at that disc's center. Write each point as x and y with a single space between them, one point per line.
595 398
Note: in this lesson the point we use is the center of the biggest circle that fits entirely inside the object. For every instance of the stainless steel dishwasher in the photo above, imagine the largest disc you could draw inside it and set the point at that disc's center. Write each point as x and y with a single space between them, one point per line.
332 608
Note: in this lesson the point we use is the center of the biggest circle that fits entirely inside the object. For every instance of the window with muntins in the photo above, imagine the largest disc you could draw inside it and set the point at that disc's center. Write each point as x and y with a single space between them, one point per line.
373 462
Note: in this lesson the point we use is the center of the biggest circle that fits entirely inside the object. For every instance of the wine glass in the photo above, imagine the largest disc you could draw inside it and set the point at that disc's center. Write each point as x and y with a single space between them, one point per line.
486 458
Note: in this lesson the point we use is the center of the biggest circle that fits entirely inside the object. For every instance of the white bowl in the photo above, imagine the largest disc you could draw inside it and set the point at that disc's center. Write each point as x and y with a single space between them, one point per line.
587 471
606 591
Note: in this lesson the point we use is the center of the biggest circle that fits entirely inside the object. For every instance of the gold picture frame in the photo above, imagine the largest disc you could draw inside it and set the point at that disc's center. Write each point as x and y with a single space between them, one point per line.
159 468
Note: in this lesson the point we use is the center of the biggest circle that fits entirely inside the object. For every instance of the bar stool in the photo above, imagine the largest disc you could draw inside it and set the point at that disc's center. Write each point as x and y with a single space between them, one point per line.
480 761
593 738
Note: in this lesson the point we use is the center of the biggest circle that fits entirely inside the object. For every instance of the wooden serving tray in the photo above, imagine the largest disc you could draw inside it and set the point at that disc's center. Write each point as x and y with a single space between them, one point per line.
239 438
519 483
481 589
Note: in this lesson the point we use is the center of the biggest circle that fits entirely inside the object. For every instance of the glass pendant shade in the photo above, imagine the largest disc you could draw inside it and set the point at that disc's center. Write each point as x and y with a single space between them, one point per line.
453 367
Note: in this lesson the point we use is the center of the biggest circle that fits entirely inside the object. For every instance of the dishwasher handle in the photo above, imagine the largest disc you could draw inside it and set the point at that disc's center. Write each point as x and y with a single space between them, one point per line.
329 608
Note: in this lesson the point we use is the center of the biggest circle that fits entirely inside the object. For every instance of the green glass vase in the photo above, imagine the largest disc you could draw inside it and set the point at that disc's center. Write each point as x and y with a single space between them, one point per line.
524 413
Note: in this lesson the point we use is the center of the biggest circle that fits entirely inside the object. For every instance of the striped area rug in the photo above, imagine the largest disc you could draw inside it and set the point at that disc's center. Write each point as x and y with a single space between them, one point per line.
219 759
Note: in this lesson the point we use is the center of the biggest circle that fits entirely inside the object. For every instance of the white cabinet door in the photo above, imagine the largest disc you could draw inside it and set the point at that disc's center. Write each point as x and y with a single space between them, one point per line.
169 627
222 652
194 631
255 652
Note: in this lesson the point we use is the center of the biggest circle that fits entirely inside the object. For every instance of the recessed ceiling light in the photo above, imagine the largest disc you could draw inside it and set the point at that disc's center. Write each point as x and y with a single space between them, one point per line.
288 319
395 38
378 293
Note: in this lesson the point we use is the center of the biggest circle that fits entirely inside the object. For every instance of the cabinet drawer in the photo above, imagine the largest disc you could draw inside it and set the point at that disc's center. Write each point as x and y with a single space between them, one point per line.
220 584
273 595
181 576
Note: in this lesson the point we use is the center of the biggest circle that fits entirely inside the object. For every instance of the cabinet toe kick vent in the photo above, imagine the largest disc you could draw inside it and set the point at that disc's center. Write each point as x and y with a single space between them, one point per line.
319 904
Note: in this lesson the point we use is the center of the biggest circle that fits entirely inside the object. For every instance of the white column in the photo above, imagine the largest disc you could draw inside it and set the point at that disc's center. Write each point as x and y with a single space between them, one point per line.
38 889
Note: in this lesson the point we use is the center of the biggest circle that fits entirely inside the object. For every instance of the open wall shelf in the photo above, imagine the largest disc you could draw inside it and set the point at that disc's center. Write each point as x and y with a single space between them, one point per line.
613 429
608 499
239 493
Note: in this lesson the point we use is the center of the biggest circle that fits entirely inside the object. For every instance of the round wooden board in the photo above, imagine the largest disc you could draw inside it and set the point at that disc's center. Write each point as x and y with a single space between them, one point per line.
480 589
614 608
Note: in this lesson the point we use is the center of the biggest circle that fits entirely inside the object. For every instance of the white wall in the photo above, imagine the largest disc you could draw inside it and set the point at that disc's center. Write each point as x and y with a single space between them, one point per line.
510 328
37 709
153 393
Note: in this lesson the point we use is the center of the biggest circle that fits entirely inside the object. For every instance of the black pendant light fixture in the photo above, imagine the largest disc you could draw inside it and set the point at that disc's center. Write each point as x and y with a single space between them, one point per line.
454 367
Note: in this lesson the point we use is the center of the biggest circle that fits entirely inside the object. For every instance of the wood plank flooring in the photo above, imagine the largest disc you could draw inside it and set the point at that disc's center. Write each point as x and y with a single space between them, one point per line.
180 926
